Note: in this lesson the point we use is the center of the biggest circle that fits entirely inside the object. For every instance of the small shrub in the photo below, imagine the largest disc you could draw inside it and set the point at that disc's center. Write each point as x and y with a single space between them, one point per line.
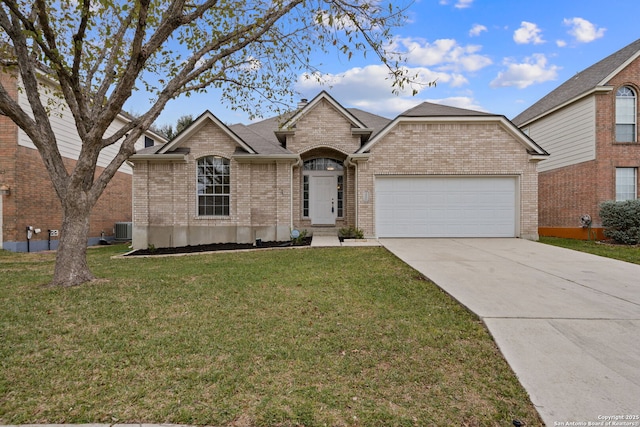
621 221
297 241
351 232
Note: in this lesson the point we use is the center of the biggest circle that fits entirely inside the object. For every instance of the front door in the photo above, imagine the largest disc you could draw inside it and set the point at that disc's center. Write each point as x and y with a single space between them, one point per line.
323 200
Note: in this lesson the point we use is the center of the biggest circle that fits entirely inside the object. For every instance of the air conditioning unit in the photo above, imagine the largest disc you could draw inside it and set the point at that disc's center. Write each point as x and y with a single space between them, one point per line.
123 230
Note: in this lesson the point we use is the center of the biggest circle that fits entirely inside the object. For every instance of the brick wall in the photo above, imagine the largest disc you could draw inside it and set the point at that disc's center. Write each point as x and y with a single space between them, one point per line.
8 163
34 202
324 132
568 193
323 126
165 197
450 149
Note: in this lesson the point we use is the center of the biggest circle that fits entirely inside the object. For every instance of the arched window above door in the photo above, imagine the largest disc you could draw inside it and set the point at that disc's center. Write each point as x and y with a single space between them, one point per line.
323 164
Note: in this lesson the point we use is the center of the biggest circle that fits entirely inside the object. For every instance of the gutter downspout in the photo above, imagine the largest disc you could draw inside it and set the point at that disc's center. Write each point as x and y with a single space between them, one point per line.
298 162
350 162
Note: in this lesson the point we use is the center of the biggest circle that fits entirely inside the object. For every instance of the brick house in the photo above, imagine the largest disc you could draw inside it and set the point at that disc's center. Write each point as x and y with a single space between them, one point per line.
27 197
589 125
433 171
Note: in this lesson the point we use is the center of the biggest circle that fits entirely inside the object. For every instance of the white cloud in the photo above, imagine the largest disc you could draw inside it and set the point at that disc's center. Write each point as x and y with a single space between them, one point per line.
460 4
370 88
528 33
561 43
583 30
444 61
533 70
458 101
446 54
476 30
463 4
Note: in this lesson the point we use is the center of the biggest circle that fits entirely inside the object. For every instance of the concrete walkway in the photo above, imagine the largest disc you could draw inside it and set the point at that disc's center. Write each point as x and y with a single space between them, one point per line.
568 323
331 239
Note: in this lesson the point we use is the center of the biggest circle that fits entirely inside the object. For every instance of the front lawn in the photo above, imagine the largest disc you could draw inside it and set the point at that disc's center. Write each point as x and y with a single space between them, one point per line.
295 337
621 252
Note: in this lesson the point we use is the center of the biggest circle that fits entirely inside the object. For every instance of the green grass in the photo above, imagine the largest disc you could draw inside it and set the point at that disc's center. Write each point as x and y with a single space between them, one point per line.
301 337
621 252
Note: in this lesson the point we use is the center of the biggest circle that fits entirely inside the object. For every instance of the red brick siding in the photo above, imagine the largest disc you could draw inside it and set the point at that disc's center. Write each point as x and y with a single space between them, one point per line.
33 200
569 192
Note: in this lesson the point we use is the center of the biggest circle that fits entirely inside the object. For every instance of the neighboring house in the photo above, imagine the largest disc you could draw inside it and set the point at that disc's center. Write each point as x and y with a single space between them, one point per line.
433 171
589 125
27 197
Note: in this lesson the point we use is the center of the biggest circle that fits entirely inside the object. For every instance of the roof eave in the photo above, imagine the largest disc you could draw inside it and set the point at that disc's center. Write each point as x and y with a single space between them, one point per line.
282 135
264 158
597 89
620 68
159 157
534 157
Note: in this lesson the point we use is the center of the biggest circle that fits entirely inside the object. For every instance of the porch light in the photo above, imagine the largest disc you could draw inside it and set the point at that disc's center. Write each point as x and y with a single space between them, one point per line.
4 190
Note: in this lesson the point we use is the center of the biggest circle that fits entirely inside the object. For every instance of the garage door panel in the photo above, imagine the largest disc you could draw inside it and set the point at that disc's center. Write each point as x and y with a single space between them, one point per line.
445 207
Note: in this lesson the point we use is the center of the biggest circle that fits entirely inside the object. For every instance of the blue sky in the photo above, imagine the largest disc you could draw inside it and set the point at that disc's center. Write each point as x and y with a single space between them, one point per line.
498 56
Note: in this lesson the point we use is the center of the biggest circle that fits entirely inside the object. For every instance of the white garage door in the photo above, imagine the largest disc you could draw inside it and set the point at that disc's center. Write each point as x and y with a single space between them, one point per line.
445 207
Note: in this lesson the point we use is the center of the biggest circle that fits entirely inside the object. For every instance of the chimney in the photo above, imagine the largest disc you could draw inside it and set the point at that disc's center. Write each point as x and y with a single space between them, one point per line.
303 102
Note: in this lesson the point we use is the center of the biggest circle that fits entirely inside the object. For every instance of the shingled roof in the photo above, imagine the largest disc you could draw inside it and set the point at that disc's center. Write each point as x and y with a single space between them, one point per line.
428 109
597 75
261 135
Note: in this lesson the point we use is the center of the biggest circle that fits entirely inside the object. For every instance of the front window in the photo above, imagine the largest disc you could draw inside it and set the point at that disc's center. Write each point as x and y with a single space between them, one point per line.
625 115
626 179
214 186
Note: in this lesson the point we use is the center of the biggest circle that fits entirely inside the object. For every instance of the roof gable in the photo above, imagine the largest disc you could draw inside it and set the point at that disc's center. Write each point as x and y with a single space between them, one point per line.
435 113
197 124
584 83
315 101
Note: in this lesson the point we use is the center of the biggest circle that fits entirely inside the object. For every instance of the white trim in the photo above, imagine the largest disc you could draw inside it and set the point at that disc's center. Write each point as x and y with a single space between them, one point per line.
620 68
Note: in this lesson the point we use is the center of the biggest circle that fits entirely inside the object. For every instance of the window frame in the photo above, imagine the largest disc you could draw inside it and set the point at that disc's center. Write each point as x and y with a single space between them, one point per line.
631 182
216 190
323 165
623 119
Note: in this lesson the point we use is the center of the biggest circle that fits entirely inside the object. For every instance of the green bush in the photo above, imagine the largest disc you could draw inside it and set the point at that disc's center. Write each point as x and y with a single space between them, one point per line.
351 232
621 221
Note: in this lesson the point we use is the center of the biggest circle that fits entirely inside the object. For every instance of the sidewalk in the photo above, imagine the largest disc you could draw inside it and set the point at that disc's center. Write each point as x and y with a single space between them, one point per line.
327 240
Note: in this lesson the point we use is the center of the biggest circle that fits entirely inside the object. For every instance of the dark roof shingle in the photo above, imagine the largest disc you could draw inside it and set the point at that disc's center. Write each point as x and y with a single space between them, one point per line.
428 109
581 83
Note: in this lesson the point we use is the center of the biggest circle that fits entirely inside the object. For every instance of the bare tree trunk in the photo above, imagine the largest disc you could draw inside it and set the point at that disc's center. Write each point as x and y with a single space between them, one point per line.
71 259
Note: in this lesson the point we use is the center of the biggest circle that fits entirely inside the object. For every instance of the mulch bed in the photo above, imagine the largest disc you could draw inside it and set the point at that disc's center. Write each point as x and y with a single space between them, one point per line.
217 247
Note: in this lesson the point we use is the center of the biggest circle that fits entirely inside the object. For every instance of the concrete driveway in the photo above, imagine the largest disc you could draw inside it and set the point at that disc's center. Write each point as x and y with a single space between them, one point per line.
567 322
